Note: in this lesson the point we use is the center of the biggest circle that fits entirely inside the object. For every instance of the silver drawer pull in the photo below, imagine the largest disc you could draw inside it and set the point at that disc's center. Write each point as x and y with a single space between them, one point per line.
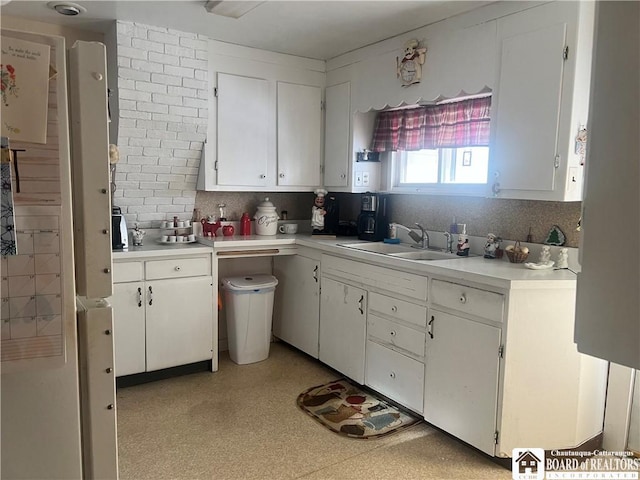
392 333
463 298
394 309
177 268
392 375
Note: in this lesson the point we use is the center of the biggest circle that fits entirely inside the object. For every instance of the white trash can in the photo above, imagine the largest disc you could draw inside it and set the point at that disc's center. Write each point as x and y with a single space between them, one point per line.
249 301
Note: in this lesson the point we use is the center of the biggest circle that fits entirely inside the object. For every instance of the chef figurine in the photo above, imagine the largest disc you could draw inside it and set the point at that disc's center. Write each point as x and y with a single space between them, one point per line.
138 235
563 258
492 245
318 211
545 255
463 246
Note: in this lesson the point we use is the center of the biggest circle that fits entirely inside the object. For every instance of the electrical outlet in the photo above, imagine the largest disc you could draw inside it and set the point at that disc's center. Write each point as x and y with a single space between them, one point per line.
365 179
358 179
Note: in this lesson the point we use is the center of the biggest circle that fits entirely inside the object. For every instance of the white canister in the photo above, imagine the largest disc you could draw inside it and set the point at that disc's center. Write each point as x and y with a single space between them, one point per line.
266 218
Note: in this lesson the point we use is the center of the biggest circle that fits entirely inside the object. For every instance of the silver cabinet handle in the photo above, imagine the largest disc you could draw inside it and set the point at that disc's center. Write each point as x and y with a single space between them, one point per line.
360 304
315 273
431 326
463 298
150 296
139 297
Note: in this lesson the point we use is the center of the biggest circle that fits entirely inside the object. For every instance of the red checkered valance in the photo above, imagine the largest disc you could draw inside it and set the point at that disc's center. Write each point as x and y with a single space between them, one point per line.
448 125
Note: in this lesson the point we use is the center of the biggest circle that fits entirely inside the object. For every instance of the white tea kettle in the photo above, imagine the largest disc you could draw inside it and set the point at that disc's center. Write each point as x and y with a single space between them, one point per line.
266 218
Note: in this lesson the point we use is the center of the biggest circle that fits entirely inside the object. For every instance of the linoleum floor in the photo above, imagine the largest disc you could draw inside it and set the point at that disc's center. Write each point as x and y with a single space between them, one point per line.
242 423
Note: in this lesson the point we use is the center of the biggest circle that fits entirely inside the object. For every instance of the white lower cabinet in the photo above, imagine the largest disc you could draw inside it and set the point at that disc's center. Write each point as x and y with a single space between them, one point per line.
163 313
343 327
296 315
461 379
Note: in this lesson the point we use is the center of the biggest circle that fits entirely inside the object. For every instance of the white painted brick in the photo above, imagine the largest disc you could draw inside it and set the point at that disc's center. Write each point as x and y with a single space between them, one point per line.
201 75
184 111
196 120
140 31
126 167
196 146
138 193
152 151
171 208
173 162
142 177
193 43
144 142
145 66
120 177
149 217
125 93
142 209
127 104
165 79
167 193
192 137
124 28
152 107
161 134
183 185
194 102
203 128
164 58
192 178
193 63
181 72
166 169
123 41
127 122
151 125
180 51
160 37
134 74
118 194
192 83
137 115
185 170
193 162
127 184
124 62
153 28
132 132
189 194
181 127
158 201
203 94
182 34
171 178
161 117
147 45
154 185
202 54
150 87
167 99
126 201
178 153
131 52
129 149
203 113
174 144
126 83
182 91
138 160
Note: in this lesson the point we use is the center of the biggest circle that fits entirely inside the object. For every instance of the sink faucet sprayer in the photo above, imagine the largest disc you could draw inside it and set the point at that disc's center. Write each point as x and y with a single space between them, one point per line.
421 238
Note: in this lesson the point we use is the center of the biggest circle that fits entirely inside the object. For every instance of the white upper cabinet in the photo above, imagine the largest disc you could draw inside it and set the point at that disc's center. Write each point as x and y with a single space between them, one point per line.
299 134
243 109
541 102
337 133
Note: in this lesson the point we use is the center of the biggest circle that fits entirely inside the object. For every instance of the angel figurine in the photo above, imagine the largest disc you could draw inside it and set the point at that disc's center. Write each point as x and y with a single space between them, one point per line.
545 255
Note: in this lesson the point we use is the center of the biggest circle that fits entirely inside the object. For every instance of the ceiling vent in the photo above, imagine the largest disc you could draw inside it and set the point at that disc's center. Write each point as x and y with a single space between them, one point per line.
67 8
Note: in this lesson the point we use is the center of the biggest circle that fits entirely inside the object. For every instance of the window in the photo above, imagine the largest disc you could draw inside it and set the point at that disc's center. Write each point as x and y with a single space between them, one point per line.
437 147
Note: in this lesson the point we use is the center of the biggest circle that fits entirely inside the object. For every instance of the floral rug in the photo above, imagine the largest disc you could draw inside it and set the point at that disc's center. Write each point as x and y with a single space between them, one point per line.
349 410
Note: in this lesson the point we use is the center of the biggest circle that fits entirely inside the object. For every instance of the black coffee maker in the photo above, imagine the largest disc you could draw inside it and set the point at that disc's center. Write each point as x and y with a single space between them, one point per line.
373 221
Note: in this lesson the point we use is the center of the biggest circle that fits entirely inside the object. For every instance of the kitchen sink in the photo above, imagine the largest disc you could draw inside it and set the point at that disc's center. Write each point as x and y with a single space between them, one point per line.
401 251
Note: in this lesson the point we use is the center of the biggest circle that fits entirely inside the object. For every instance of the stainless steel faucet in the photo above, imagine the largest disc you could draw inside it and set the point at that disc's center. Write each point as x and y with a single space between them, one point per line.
449 238
424 238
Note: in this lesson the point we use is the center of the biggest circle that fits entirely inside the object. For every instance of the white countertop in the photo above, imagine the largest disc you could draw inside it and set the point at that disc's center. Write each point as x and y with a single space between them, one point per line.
495 272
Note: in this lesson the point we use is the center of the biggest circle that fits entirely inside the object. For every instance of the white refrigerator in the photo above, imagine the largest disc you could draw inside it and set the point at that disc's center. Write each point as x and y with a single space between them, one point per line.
57 382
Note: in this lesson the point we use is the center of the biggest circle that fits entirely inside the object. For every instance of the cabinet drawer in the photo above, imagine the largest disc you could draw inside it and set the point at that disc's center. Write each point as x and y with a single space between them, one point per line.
127 272
397 335
178 267
469 300
392 307
398 377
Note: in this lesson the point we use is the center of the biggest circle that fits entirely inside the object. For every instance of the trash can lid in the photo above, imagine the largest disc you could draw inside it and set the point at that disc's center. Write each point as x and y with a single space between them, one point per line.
250 282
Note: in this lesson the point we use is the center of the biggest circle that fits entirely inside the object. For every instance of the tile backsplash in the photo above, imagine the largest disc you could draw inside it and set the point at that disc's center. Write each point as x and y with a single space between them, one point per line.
506 218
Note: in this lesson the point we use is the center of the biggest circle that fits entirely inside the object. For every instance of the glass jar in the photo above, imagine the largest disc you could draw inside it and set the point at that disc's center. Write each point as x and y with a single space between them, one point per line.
222 212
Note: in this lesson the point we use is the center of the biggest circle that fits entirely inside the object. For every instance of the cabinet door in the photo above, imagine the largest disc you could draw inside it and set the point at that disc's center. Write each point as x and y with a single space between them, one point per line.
128 307
337 129
343 328
461 379
179 321
242 131
297 302
528 113
299 127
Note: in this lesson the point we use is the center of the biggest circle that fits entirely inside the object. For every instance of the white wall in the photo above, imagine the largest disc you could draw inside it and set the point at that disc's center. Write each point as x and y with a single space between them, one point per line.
162 93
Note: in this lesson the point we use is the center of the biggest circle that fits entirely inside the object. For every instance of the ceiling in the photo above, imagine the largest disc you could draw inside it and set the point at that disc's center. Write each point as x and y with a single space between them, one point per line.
307 28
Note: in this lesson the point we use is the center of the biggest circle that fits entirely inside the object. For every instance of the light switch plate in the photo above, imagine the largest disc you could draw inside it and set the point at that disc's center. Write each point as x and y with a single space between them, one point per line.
365 179
358 179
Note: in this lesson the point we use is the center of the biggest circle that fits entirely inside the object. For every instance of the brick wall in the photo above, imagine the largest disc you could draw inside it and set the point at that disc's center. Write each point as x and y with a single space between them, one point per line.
162 112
